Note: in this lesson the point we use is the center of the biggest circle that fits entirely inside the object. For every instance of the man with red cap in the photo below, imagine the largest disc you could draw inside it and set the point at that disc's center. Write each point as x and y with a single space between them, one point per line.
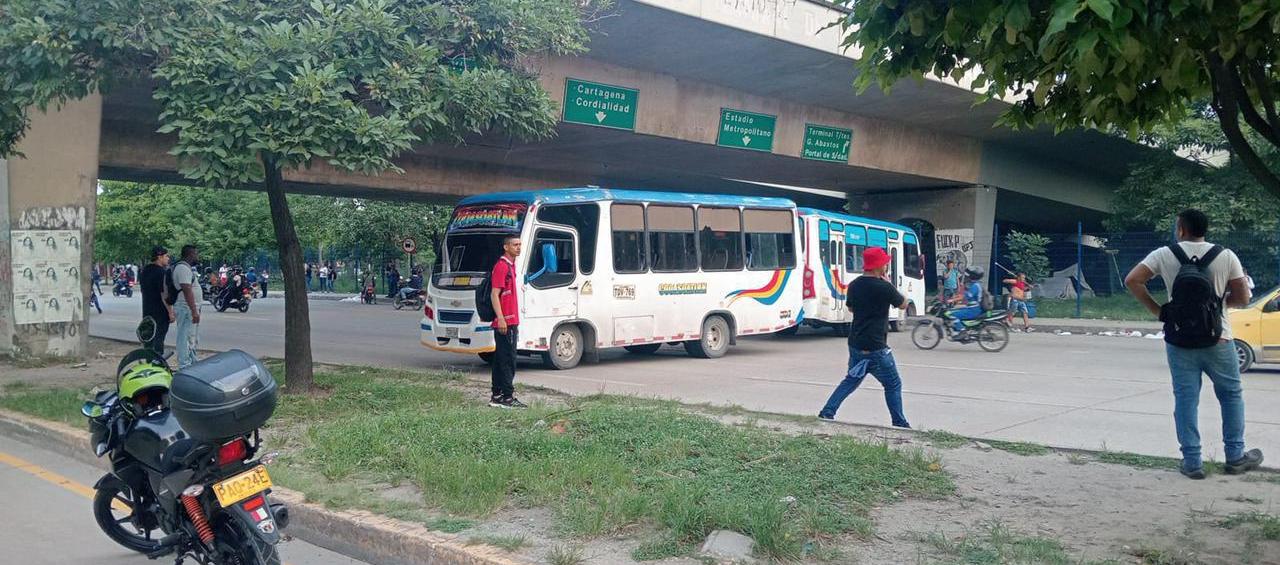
869 298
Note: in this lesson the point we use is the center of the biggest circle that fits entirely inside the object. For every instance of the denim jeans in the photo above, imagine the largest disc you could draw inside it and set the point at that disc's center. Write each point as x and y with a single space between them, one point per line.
1219 362
964 313
188 338
882 366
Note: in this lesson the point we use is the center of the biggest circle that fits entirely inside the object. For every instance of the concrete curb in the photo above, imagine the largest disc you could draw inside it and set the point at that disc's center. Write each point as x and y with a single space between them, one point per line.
356 533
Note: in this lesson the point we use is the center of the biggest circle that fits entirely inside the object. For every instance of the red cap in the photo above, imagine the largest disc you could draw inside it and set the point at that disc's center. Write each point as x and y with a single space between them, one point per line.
874 258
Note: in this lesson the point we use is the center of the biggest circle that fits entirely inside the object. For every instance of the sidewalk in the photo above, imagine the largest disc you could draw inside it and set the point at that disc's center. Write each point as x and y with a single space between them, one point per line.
1090 326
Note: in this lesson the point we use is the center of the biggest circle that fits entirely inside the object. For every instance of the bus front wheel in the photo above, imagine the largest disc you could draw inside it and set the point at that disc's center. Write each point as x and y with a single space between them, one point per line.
714 342
566 348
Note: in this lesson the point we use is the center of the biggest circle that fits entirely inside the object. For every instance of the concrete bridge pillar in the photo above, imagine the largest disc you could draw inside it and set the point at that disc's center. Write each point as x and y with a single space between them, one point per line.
968 214
47 204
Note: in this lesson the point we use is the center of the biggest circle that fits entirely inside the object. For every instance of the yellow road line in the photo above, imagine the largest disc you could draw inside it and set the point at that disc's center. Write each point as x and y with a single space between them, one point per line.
56 479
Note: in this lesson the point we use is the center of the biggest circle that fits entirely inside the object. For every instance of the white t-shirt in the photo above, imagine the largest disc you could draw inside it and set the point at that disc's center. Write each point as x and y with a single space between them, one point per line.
1226 267
184 274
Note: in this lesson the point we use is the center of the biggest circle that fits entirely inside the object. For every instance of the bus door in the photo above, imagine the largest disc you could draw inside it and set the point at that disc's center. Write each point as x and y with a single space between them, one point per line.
837 280
551 282
855 241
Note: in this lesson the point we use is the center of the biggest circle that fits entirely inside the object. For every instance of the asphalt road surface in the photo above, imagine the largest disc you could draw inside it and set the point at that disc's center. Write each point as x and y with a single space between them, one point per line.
1068 391
48 520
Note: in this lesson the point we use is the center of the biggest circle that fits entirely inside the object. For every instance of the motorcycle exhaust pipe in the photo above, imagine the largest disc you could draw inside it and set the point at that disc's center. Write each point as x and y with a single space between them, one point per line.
280 513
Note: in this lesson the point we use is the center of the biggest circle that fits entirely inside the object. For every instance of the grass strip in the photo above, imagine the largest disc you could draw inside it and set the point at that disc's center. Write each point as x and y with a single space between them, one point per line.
993 543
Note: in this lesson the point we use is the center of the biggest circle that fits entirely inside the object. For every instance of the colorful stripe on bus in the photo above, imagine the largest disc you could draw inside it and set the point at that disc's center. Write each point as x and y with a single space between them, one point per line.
767 294
839 290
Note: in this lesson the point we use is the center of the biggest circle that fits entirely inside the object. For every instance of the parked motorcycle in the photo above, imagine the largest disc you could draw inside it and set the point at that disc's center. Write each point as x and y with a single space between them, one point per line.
369 295
231 298
185 479
122 287
415 300
988 331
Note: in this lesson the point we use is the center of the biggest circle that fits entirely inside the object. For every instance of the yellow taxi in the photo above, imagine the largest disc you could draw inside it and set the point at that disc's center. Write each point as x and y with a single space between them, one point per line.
1256 329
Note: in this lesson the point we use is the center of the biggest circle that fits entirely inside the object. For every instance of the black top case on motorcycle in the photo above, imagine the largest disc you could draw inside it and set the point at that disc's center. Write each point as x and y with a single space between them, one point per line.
227 395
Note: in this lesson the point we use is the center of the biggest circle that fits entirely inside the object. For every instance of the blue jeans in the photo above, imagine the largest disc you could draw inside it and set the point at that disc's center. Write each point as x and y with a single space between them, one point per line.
965 313
1219 362
188 338
882 366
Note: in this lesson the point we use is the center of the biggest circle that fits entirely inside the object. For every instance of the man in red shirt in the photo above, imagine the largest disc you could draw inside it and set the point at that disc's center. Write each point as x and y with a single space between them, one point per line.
506 320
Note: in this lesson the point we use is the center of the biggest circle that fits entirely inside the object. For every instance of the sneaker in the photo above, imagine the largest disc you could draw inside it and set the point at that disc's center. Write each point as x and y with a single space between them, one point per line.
903 425
1194 474
826 417
495 401
1248 462
512 402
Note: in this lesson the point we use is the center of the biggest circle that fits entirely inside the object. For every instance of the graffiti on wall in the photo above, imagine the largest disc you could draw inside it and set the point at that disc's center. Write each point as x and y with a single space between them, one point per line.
956 245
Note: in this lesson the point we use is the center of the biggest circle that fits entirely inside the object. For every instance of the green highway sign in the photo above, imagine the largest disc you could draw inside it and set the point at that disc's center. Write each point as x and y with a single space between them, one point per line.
746 130
825 143
597 104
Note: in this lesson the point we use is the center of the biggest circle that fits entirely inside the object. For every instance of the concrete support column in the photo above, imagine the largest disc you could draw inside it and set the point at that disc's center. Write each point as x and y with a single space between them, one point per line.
47 205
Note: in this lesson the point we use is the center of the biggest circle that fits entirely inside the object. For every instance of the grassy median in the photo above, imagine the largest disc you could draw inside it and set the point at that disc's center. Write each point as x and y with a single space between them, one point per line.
602 464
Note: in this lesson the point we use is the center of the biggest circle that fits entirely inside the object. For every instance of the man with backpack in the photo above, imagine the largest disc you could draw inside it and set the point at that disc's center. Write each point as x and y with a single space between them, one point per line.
506 320
1203 279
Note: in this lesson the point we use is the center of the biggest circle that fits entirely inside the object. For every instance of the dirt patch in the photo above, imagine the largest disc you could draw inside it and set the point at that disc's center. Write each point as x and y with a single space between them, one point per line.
98 367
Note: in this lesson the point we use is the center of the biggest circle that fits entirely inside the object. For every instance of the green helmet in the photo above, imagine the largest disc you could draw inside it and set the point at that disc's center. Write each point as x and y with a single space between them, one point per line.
143 376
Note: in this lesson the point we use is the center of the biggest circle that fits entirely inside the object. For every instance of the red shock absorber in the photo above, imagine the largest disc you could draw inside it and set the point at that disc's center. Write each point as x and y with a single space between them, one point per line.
197 517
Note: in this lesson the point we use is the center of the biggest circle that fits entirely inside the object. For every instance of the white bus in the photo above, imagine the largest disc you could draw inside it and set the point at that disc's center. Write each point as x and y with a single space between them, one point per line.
619 268
831 250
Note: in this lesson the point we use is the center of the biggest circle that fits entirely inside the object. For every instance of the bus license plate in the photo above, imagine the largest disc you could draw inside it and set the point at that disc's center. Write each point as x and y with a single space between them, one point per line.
451 332
461 281
242 486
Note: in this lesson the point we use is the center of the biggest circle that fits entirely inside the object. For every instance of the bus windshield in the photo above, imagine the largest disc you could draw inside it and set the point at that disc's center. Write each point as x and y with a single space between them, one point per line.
473 241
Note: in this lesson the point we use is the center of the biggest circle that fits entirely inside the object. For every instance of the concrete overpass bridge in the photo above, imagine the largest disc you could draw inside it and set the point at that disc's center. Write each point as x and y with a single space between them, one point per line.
738 96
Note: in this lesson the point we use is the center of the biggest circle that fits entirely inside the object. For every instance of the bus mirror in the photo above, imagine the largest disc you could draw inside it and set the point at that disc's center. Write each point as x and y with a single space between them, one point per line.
550 262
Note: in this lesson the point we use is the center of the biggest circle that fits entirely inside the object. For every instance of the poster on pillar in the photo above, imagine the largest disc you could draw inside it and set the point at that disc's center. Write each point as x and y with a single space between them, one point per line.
955 245
46 276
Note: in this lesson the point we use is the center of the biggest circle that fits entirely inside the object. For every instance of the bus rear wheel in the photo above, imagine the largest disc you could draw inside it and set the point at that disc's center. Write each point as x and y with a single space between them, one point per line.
714 342
566 348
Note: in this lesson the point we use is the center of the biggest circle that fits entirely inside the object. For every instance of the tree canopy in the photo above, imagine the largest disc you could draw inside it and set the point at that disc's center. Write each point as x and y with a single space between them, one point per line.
254 88
1127 64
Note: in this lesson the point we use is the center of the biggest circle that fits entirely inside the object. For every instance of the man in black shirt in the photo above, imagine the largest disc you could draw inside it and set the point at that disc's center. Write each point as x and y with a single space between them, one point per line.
154 294
869 298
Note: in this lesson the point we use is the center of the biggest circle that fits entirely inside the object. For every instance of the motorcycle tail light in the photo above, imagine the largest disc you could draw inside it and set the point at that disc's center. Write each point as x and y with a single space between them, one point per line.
233 451
808 283
428 312
252 504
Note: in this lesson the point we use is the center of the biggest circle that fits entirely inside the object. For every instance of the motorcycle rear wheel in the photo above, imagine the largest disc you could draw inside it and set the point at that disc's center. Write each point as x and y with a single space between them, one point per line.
992 336
238 541
116 523
926 335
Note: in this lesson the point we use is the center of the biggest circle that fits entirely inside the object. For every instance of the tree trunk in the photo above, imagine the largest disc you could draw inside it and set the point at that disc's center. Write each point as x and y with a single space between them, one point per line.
1226 104
298 377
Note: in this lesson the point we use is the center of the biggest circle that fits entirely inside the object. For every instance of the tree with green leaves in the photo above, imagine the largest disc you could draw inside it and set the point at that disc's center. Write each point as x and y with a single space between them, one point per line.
1028 253
1126 64
255 88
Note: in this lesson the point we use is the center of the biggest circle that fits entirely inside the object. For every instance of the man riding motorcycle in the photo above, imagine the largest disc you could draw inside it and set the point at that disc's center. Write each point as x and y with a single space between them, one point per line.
414 287
972 299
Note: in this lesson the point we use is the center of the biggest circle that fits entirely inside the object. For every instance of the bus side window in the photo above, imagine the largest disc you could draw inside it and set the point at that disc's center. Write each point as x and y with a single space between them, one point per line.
544 275
585 219
672 245
628 239
720 239
770 242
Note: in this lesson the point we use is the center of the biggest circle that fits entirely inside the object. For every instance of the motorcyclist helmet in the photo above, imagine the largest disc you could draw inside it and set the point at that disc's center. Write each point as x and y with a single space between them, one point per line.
146 386
975 273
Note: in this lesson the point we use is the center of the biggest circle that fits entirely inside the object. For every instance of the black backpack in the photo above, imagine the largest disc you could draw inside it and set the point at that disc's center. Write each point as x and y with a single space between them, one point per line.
1193 316
484 298
171 288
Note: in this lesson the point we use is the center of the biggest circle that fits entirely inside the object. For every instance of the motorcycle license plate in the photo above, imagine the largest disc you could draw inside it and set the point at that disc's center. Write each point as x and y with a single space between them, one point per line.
242 486
451 332
462 281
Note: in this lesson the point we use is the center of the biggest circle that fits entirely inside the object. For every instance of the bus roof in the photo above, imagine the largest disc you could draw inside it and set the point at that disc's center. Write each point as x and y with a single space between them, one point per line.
853 219
591 194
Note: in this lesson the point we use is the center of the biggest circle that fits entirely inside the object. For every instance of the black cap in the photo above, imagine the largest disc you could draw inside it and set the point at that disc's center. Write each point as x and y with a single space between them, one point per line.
157 251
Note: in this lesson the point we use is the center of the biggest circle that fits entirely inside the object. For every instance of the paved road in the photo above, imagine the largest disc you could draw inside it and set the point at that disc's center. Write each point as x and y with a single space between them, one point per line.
1069 391
47 517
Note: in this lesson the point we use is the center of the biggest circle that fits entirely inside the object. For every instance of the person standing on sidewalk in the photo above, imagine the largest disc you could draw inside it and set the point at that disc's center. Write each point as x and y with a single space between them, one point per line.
1203 279
869 298
265 280
506 321
155 303
950 281
187 307
1018 301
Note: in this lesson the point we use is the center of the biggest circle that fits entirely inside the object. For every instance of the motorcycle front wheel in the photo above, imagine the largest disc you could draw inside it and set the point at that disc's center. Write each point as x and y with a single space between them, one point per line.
117 515
220 305
926 335
244 307
993 336
399 304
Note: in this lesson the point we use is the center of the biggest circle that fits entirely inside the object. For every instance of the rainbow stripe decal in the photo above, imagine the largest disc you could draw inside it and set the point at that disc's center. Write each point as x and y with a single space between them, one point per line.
767 294
838 289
